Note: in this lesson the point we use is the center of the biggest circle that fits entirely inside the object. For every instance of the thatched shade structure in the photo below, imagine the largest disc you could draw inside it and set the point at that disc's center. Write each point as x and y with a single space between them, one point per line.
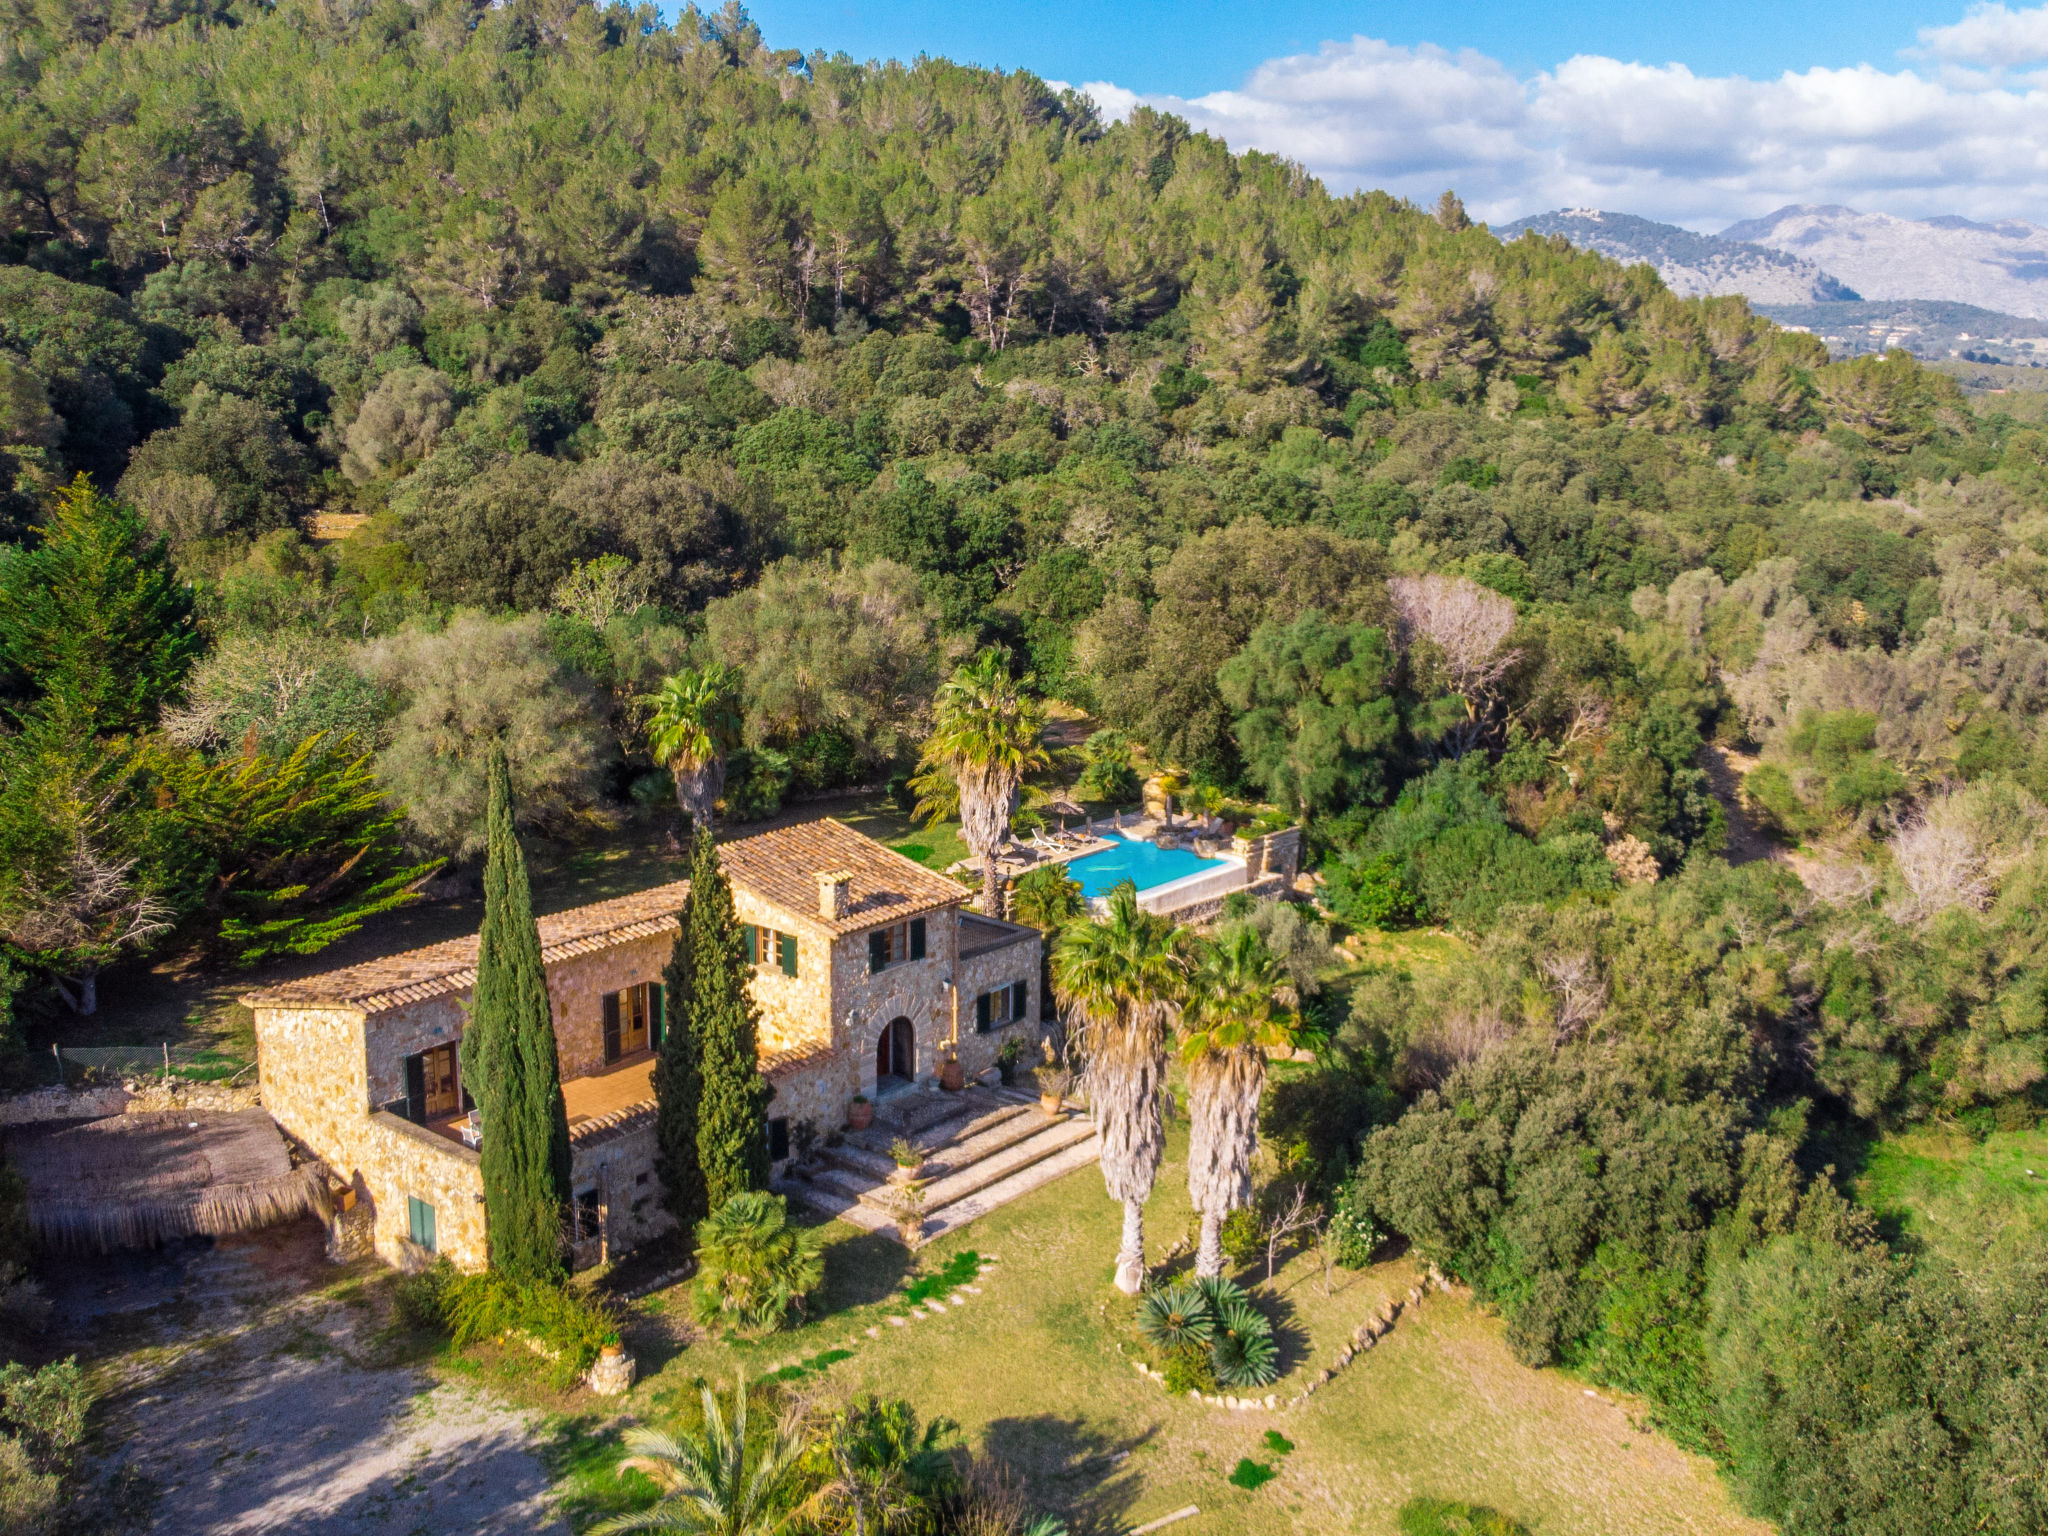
130 1181
1063 808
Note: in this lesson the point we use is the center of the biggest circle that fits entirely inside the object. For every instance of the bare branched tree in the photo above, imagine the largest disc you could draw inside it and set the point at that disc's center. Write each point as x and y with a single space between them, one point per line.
1299 1214
1581 992
1939 860
1468 625
79 922
1461 1036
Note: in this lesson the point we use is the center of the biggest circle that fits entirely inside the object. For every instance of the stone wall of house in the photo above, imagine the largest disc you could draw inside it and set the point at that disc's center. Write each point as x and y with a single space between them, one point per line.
618 1162
397 1033
795 1010
986 972
577 988
395 1159
817 1091
916 990
311 1063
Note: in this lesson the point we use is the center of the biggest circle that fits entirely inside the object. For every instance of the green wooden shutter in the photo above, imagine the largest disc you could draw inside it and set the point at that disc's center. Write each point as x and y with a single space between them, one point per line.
657 1019
611 1026
786 944
981 1012
917 938
878 952
1020 999
419 1222
753 945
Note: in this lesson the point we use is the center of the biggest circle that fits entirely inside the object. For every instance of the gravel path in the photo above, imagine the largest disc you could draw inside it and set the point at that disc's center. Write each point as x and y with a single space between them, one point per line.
248 1402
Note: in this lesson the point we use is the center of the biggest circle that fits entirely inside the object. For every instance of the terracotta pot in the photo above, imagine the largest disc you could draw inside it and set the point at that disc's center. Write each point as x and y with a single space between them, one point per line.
952 1077
906 1176
612 1351
859 1116
1051 1103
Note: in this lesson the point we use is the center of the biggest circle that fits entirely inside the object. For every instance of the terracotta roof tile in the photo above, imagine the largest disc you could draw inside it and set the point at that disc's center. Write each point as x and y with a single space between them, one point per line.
450 966
783 866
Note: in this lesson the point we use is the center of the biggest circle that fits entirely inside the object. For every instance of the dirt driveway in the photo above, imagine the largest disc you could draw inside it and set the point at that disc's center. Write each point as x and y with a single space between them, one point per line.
243 1391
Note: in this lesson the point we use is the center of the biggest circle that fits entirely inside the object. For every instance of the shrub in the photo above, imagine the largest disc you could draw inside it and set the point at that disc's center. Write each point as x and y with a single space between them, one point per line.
1174 1317
422 1299
756 779
1243 1353
569 1326
1208 1333
1244 1239
1447 1517
753 1268
1249 1474
45 1411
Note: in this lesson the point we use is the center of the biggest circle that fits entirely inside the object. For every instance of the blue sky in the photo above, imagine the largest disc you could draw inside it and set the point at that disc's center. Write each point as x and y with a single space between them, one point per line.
1697 113
1187 49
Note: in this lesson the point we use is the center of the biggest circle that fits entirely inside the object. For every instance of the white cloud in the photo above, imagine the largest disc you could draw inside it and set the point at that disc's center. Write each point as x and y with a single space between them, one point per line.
1656 140
1991 36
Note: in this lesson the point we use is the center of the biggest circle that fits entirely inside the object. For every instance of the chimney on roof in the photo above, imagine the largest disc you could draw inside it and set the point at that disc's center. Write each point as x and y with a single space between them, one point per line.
835 888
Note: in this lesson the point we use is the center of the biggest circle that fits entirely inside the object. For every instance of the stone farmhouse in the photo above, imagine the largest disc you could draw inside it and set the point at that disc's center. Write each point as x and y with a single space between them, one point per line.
869 974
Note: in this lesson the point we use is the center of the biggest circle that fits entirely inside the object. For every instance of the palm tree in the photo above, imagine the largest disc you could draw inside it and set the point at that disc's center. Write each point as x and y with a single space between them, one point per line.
886 1476
696 722
710 1485
985 739
1124 978
1239 1003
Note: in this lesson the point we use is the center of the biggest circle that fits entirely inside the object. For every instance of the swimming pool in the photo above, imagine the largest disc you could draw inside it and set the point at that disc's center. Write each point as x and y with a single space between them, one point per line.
1143 864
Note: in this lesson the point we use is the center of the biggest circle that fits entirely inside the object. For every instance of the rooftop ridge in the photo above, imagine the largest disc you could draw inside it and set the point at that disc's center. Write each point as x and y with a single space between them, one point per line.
434 970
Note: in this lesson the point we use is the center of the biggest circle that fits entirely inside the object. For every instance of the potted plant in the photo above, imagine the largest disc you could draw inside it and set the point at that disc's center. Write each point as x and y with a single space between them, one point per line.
1054 1080
952 1076
860 1114
908 1209
909 1161
1007 1059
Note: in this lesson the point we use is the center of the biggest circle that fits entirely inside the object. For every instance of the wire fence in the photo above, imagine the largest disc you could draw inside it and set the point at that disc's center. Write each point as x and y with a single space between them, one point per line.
78 1065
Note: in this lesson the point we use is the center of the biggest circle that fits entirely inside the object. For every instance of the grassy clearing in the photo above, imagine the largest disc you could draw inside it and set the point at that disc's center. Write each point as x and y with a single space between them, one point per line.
1419 949
1030 1369
1970 1201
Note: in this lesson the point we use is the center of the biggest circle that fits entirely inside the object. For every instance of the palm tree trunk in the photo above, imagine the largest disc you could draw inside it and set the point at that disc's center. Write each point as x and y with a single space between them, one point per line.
697 791
991 887
1130 1259
1223 1138
1209 1256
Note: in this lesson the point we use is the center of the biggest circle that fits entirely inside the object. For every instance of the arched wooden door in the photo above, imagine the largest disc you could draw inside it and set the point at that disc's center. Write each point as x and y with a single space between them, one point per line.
896 1052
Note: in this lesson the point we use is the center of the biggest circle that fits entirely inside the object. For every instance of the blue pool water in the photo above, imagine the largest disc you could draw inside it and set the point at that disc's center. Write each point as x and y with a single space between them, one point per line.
1140 863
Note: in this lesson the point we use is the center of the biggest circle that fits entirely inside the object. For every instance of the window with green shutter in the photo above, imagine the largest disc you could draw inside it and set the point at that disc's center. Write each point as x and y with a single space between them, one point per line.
917 938
753 945
419 1221
1020 996
982 1009
785 943
878 951
657 1017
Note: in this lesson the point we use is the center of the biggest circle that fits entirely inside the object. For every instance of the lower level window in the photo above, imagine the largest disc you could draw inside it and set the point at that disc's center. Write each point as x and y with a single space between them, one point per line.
589 1217
1005 1005
419 1221
778 1139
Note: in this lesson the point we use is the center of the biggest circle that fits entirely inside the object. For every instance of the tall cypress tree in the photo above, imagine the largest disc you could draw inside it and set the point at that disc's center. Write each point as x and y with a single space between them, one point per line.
509 1062
678 1074
732 1107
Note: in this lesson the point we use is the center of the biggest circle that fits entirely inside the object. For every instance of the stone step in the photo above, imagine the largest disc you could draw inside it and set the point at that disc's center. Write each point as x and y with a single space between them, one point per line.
912 1111
982 1172
970 1119
1040 1173
959 1213
982 1137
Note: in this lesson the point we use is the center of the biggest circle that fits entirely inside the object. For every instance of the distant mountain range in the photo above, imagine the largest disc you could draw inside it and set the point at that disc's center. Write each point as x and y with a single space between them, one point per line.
2001 266
1690 264
1937 287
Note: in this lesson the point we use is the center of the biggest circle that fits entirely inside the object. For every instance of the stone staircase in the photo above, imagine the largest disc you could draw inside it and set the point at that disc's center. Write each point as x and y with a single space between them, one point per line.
983 1148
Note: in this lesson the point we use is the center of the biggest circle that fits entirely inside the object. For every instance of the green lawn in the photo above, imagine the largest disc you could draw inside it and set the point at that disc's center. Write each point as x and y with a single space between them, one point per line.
1031 1371
1967 1200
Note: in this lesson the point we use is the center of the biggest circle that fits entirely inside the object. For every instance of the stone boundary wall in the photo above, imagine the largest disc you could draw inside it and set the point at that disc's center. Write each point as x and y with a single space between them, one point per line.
392 1159
135 1096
